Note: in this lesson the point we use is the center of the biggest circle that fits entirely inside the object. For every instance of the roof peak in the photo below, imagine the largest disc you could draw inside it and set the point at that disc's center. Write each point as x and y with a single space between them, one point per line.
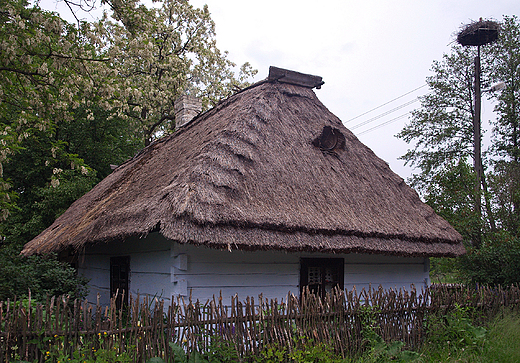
295 78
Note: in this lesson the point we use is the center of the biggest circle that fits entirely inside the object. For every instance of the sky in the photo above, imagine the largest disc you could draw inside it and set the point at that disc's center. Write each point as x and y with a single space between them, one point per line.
369 52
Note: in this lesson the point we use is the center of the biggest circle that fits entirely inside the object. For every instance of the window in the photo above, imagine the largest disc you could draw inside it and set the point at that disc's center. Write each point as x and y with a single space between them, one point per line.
119 279
321 275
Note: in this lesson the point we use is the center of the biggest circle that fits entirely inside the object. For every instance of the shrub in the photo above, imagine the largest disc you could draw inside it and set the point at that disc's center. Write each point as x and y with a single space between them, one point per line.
496 263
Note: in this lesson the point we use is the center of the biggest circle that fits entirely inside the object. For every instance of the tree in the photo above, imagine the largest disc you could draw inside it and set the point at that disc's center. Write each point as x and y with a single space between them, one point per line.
505 67
42 78
442 133
75 99
130 66
442 127
159 54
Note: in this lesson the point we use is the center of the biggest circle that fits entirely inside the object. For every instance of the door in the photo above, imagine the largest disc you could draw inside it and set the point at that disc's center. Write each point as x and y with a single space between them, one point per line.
120 279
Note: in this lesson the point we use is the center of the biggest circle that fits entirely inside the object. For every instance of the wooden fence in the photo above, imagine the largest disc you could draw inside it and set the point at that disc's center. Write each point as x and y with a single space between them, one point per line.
146 327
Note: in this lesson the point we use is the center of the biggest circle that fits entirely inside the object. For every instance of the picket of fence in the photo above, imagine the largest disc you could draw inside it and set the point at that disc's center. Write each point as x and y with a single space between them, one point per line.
145 328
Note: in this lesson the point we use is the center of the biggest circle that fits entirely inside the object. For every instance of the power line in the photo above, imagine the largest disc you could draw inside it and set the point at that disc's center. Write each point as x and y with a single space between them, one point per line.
386 103
384 124
384 114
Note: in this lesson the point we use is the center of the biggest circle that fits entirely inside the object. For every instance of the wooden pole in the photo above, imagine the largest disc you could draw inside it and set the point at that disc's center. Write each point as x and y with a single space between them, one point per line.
476 148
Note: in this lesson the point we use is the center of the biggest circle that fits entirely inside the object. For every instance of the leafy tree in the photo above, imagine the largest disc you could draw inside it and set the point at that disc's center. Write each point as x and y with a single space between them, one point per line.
75 99
505 67
441 130
493 264
161 53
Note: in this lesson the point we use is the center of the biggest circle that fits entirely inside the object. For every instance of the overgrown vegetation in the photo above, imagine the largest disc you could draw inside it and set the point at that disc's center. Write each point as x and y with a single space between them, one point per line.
448 324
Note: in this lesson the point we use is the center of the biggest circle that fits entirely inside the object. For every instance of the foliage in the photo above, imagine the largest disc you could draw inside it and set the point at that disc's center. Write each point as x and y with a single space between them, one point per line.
375 348
496 263
444 270
44 76
78 98
448 194
221 350
441 130
503 339
55 351
304 350
455 330
41 275
455 339
160 53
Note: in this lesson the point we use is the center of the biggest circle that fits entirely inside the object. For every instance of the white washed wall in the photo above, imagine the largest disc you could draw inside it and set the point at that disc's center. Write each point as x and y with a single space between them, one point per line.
162 268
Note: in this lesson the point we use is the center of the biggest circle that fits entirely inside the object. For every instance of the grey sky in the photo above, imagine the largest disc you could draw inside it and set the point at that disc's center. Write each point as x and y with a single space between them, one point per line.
368 52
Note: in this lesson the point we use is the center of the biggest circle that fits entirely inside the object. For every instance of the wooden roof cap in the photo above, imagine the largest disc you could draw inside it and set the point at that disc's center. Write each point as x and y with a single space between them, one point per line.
296 78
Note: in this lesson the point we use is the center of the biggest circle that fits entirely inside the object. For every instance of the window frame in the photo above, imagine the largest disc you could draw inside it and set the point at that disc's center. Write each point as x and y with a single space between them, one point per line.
336 263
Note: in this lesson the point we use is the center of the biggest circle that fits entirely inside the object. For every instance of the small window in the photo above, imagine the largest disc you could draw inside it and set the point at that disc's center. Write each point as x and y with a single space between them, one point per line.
119 279
321 275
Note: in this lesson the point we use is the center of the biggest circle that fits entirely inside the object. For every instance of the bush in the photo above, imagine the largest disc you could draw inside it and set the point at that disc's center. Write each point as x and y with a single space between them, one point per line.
41 275
452 335
496 263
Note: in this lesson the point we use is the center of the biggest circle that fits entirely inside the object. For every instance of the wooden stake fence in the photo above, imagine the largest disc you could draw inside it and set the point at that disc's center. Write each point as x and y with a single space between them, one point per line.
144 329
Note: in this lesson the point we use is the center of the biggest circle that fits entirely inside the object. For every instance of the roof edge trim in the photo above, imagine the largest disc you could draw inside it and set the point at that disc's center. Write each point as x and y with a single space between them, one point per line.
296 78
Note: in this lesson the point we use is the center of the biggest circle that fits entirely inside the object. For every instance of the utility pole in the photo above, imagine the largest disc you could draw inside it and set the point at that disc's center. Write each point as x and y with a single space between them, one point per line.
478 34
477 139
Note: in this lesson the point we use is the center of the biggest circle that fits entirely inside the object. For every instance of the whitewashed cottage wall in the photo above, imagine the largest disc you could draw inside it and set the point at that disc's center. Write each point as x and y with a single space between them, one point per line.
162 268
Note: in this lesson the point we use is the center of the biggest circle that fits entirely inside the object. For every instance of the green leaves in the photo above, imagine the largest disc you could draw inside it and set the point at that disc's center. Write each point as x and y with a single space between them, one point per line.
441 134
161 53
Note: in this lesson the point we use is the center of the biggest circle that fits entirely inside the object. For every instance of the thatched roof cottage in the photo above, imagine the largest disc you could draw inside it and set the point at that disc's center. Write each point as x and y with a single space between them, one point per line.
264 193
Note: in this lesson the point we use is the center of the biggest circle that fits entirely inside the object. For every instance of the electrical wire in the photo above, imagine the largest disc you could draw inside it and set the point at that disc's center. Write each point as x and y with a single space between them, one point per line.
386 103
384 114
384 123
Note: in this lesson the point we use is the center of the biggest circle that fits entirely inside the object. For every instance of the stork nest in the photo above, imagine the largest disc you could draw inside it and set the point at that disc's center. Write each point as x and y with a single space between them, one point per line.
479 33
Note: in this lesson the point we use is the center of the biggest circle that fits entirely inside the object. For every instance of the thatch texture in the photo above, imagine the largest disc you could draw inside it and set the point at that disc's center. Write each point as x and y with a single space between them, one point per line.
252 174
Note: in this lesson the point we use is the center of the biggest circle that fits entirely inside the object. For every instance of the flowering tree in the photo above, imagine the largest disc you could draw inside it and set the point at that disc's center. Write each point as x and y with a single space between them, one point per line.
160 53
75 98
131 65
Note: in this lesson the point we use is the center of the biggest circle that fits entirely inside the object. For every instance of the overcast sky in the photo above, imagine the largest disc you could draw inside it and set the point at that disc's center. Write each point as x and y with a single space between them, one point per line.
368 52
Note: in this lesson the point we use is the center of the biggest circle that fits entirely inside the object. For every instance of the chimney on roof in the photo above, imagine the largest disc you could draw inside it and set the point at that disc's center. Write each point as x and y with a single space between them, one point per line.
186 109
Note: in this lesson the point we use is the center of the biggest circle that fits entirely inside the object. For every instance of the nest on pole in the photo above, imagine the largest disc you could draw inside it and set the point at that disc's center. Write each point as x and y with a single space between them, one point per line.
479 33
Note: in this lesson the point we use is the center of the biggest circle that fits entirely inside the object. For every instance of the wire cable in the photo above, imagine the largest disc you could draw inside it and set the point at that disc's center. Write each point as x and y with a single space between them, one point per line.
384 114
386 103
384 124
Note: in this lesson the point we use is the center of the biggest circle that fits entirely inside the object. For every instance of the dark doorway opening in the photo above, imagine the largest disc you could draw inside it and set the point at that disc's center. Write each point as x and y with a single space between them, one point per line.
120 279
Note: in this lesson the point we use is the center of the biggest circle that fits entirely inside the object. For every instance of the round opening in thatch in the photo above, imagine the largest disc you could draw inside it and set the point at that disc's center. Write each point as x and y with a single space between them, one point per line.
330 139
479 33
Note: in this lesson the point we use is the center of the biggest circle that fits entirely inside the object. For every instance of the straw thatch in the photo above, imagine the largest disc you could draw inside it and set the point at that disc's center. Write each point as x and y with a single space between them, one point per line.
268 168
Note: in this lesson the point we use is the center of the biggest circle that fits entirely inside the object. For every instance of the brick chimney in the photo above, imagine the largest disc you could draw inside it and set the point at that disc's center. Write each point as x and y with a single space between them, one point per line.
186 109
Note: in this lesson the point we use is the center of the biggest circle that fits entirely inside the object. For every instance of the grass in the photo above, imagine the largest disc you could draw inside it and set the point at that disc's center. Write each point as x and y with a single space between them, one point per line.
500 342
504 339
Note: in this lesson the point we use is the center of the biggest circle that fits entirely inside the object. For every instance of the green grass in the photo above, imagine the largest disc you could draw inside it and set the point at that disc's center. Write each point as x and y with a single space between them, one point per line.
500 343
504 339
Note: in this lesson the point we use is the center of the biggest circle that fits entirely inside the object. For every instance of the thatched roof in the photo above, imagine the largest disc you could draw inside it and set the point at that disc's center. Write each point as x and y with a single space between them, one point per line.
268 168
